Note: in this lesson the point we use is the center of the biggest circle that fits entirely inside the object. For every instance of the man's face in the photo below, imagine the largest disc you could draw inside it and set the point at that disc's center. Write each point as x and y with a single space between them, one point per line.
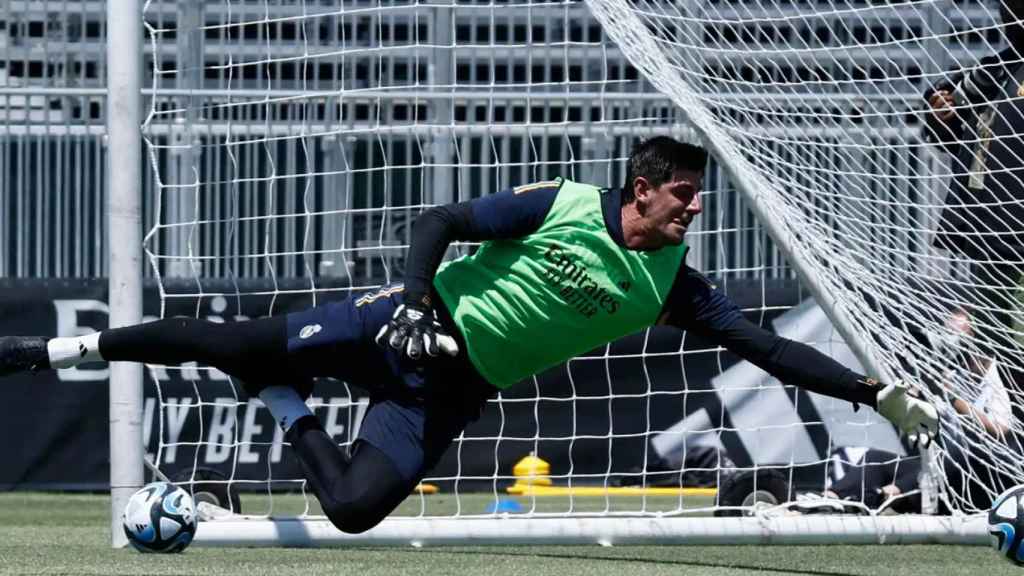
669 209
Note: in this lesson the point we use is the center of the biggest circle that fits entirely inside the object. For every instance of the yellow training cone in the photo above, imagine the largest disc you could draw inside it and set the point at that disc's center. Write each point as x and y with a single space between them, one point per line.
532 471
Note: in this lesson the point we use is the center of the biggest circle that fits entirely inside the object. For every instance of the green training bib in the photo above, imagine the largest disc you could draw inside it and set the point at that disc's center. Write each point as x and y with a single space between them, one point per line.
528 304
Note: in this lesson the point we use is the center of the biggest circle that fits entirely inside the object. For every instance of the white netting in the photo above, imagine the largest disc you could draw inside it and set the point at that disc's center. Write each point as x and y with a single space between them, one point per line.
817 111
292 143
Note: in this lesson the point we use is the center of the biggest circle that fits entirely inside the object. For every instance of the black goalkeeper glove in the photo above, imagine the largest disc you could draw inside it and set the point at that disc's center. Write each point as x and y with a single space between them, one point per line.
413 330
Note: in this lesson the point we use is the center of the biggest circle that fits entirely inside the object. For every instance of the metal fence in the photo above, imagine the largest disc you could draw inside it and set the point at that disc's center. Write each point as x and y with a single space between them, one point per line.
309 160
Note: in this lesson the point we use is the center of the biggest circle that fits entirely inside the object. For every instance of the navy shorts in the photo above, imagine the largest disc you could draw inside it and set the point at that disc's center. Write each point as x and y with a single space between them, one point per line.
416 409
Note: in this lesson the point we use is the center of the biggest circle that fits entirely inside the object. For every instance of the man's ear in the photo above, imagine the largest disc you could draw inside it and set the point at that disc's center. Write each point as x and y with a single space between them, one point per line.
641 191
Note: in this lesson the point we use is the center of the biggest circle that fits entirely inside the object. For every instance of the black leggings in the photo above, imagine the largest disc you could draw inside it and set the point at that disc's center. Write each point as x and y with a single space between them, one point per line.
249 350
355 492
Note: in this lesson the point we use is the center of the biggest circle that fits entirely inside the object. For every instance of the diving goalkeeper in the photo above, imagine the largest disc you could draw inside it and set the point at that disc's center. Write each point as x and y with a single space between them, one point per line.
563 268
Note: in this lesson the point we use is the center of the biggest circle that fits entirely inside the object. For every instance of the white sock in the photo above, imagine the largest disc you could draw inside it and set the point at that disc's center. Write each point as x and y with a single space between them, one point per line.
68 352
285 405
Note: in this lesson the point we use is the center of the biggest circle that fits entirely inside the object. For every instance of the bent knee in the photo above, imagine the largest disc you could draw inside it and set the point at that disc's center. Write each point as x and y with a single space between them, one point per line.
353 517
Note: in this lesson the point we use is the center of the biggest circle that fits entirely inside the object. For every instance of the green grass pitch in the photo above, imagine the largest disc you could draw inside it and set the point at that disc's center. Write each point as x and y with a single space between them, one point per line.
68 534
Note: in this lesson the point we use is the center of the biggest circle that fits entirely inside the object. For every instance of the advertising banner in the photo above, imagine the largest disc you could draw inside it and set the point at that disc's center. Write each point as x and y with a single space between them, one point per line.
648 397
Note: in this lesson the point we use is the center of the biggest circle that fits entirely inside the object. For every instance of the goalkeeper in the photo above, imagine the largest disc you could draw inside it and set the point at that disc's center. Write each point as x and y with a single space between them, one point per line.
564 268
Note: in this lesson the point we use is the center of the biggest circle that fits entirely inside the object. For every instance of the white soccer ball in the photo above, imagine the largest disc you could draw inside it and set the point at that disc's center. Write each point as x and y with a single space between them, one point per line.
1006 524
160 518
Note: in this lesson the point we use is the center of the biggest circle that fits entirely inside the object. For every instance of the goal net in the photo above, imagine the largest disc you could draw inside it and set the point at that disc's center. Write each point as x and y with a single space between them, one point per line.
291 145
879 144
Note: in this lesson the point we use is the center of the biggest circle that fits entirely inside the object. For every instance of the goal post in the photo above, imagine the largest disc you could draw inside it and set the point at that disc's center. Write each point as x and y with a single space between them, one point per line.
124 221
289 148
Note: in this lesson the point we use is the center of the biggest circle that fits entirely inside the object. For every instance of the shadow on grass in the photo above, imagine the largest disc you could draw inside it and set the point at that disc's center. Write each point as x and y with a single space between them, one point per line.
637 559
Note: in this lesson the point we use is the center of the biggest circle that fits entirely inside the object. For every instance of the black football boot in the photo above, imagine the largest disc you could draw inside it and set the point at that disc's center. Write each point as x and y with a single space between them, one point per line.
21 353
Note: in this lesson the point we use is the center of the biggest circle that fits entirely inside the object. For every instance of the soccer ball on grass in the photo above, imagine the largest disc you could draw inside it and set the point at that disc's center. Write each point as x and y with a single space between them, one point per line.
160 517
1006 524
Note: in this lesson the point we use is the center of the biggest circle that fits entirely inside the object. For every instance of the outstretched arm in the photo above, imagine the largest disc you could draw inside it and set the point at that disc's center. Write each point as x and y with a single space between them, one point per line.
699 307
798 364
793 362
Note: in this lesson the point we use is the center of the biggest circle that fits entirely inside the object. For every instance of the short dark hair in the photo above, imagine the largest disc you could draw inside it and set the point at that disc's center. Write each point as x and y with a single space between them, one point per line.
656 158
